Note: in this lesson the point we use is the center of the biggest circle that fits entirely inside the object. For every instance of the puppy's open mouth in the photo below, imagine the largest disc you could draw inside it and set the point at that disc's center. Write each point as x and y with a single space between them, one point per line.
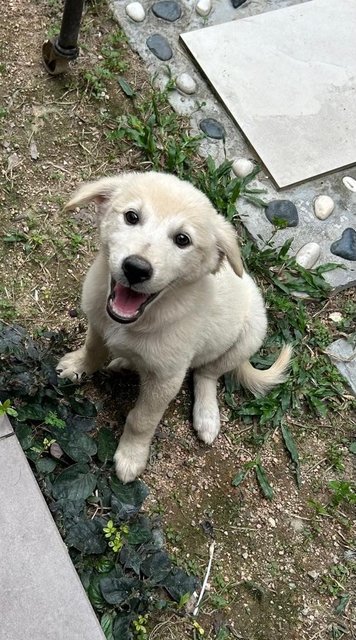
125 304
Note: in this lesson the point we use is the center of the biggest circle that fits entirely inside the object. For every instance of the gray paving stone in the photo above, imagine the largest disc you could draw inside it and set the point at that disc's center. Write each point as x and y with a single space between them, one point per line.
204 104
5 428
286 77
41 596
343 355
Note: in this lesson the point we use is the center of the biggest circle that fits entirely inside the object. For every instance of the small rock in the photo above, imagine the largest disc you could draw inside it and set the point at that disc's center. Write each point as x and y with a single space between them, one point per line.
135 11
159 46
350 183
203 7
237 3
345 247
212 128
186 83
167 10
323 207
282 210
73 313
272 522
314 575
245 555
336 316
242 167
170 474
308 255
12 162
343 355
34 151
55 450
297 524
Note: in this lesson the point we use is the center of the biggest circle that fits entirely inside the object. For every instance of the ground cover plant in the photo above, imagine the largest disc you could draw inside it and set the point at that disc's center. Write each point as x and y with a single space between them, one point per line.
118 553
276 492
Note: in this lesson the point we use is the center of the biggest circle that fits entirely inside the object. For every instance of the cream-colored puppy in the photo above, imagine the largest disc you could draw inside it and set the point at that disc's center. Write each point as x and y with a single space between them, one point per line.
167 292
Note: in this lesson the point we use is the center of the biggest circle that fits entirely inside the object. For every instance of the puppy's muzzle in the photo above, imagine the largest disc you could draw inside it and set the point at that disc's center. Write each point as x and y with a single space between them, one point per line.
136 269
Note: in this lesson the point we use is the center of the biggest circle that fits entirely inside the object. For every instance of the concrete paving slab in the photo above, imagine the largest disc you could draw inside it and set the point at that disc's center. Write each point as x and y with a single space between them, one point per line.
343 355
203 104
5 428
287 77
41 596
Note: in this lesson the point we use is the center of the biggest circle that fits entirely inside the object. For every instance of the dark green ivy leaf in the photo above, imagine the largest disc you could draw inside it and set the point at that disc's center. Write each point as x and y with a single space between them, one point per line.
25 436
106 624
122 627
87 536
46 465
157 566
139 531
178 583
78 446
94 593
117 590
128 498
74 483
130 558
107 443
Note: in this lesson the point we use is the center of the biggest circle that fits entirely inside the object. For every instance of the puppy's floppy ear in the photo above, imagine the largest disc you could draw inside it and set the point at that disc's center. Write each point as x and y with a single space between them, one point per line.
227 244
99 192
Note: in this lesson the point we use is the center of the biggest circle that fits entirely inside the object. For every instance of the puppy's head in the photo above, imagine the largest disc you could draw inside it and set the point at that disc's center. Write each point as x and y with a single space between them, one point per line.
157 232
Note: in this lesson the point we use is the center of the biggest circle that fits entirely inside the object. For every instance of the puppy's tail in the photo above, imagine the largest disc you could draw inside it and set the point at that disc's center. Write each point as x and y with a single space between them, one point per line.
260 381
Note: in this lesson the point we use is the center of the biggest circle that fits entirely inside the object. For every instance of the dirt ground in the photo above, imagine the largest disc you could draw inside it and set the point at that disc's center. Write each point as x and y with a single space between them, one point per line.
281 568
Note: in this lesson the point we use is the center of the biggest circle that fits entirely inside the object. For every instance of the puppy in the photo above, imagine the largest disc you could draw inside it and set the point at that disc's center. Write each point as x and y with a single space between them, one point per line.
167 292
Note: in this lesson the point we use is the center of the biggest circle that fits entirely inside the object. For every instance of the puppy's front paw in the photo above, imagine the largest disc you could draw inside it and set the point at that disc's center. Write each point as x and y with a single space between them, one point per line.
74 365
130 461
206 422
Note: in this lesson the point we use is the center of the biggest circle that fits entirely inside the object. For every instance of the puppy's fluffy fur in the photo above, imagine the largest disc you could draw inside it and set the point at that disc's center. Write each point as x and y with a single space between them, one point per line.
185 303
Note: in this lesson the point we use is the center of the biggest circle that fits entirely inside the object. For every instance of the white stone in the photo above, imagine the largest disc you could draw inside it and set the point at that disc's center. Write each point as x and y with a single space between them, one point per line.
203 7
323 207
135 11
313 574
350 183
308 255
186 83
242 167
272 522
336 316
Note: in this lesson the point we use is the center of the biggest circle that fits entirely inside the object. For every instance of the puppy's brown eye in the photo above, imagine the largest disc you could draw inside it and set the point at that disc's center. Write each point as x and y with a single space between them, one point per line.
182 240
131 217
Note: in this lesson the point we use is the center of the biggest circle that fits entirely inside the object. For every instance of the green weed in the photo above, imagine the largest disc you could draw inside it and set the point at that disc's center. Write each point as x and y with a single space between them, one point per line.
342 492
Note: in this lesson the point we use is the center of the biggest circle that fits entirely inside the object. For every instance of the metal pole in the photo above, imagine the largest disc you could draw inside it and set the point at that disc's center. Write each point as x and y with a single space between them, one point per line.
57 52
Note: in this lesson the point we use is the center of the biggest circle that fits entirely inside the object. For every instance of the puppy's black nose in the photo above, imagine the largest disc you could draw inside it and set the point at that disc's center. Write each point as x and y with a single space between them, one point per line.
136 269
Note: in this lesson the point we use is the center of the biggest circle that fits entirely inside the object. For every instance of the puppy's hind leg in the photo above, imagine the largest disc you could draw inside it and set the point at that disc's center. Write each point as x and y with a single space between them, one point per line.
86 360
206 417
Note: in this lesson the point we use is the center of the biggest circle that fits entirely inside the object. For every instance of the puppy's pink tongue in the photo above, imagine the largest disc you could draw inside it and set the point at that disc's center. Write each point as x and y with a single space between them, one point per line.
126 302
